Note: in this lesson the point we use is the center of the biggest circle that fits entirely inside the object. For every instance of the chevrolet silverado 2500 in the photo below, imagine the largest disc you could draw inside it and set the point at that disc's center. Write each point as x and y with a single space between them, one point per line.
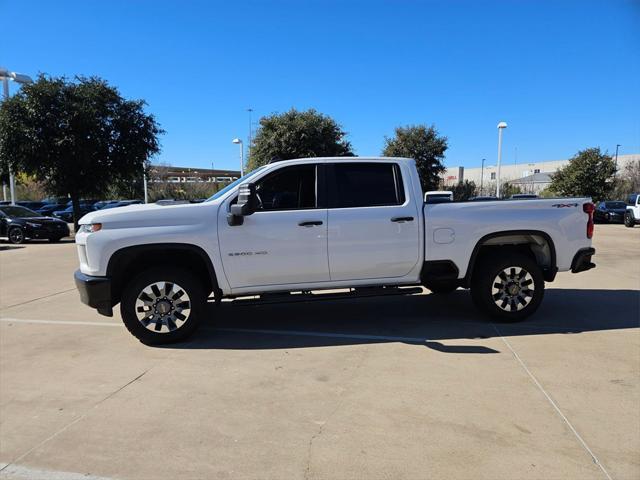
324 223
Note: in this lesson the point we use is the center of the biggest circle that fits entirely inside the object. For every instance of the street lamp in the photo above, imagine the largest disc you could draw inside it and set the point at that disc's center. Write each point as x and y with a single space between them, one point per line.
482 175
237 141
501 126
250 110
6 75
617 147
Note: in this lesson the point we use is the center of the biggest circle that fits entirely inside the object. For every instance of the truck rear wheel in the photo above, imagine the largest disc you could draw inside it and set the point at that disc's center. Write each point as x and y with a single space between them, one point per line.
508 287
163 305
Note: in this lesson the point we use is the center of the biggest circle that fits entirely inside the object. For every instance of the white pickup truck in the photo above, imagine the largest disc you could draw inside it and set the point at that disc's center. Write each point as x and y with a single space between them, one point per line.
323 223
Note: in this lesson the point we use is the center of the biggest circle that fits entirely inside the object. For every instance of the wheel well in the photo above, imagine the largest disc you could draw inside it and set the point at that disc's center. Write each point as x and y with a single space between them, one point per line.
535 244
128 262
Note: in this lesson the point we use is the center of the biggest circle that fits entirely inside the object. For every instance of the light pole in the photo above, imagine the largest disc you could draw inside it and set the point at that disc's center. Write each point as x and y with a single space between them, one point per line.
482 175
501 126
237 141
6 75
617 147
144 182
250 110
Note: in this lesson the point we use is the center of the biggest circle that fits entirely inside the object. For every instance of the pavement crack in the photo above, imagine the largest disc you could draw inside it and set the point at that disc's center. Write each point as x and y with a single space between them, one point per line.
338 406
74 421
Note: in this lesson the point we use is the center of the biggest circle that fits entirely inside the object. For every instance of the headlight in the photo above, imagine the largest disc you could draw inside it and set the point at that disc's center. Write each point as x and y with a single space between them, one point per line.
34 225
90 227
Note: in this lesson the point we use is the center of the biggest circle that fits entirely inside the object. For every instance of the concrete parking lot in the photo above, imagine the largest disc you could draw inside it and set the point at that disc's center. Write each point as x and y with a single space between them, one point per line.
377 388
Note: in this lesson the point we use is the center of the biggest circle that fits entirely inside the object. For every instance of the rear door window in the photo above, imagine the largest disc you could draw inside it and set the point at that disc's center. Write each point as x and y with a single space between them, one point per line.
362 184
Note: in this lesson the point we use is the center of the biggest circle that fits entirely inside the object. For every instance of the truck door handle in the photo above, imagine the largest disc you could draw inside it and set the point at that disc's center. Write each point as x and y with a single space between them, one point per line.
310 223
402 219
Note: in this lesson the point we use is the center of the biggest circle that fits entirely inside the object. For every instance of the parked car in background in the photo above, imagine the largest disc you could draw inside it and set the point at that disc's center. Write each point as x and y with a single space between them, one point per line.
48 208
438 196
103 203
610 211
523 196
483 199
120 203
31 205
67 214
19 224
56 200
632 214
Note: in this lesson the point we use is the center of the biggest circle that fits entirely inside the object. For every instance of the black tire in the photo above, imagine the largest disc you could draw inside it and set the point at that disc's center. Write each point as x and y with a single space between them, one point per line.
16 235
441 287
182 281
501 290
629 220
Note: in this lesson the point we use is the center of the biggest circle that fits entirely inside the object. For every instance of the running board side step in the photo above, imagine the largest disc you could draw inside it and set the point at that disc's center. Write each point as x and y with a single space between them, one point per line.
318 295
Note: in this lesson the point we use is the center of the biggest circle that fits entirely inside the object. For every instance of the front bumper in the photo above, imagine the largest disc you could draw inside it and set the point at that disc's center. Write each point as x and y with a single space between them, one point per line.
95 292
582 260
51 230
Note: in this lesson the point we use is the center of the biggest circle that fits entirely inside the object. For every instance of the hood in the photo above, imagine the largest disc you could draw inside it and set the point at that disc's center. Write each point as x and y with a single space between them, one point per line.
152 215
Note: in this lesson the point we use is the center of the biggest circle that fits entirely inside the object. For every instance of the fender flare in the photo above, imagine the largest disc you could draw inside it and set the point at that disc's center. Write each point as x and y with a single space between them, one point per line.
548 273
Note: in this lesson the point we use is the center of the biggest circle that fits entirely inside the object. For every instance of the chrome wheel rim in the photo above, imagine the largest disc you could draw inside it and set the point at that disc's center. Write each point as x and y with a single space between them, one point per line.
513 289
16 235
163 307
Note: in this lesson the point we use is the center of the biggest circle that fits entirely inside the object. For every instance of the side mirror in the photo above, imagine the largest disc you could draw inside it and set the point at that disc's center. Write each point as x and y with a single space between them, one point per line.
245 206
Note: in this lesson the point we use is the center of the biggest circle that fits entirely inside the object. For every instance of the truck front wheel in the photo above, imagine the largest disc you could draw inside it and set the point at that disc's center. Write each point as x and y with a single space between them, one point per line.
508 287
163 305
629 219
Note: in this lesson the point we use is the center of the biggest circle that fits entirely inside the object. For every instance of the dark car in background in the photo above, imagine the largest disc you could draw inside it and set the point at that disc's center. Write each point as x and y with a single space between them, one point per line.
485 198
48 208
120 203
19 224
66 215
31 205
610 211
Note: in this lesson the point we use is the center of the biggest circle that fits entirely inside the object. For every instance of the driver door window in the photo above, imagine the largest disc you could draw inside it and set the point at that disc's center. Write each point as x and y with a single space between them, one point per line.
292 188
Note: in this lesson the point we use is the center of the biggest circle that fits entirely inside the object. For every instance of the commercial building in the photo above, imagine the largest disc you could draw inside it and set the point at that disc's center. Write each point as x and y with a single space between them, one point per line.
530 177
170 174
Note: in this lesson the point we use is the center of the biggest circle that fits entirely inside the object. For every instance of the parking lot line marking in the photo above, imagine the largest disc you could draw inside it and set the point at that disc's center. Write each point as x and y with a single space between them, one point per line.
8 466
300 333
39 298
325 334
60 322
553 404
19 471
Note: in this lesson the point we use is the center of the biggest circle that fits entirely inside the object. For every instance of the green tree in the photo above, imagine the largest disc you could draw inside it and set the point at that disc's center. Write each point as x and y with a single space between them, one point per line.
423 144
588 174
627 181
296 134
509 189
464 191
76 137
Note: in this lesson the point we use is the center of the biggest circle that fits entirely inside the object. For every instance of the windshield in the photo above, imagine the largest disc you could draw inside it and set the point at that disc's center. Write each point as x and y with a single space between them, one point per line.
220 193
615 204
19 212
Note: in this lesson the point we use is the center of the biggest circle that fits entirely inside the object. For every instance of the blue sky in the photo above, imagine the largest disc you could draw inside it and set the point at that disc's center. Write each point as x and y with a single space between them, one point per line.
564 75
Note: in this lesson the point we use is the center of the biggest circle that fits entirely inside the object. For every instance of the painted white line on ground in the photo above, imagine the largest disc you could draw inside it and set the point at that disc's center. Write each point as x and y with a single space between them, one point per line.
300 333
19 472
60 322
553 404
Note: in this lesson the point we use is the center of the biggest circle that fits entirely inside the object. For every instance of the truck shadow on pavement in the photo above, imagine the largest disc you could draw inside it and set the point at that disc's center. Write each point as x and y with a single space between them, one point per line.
414 319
